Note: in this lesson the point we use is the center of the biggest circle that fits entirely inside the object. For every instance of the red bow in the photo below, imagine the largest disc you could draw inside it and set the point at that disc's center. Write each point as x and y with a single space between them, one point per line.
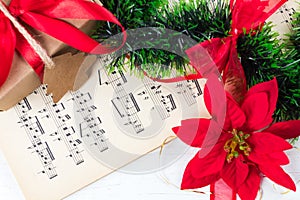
247 15
45 16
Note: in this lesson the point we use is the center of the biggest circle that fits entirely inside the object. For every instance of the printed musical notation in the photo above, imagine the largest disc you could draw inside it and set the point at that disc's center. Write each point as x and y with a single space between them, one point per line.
125 100
91 125
34 130
64 133
155 93
283 18
287 13
190 90
142 106
95 130
34 118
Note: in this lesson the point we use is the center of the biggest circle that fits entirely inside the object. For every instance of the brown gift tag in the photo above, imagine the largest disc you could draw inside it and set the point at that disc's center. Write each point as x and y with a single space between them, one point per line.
69 74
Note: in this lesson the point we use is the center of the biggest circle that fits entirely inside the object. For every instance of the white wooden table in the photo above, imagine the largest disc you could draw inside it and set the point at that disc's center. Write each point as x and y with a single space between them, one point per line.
150 186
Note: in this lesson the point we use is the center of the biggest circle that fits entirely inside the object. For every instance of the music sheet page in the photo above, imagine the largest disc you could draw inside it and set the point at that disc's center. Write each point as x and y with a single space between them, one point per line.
56 149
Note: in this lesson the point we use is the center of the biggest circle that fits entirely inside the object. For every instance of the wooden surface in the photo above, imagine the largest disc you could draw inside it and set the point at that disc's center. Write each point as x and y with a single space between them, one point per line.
150 186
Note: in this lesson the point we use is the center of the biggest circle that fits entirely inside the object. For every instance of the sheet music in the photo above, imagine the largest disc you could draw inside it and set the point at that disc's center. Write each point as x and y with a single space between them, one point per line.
56 149
283 17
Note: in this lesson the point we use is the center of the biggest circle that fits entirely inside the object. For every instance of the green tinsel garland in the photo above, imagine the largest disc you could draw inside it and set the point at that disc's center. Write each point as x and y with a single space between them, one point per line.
184 18
262 55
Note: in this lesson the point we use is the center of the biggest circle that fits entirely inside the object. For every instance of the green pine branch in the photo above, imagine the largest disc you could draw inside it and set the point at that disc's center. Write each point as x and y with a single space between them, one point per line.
264 57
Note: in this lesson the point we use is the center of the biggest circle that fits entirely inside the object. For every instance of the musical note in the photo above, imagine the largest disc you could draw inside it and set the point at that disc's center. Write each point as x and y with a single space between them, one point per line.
125 104
34 130
198 89
283 18
183 89
286 14
171 100
24 105
154 93
134 102
114 103
90 127
63 133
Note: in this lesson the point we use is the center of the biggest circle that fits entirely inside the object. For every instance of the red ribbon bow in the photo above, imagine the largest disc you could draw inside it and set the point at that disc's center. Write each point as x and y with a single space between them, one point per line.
45 16
247 15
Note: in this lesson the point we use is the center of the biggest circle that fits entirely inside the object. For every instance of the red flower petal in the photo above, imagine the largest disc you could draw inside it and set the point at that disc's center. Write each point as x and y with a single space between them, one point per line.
286 130
235 173
194 131
256 108
215 98
211 163
259 104
248 190
276 174
190 182
278 158
235 114
207 98
221 191
235 117
263 142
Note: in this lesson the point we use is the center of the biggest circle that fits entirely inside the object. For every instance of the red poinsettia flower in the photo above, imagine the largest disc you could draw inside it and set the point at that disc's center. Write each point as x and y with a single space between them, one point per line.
245 149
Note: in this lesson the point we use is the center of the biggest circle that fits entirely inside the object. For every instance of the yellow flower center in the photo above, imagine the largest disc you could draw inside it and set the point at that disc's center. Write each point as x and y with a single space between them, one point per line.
236 145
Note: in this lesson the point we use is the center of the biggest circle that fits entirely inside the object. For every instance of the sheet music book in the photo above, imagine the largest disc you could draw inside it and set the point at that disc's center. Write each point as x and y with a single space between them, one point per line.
57 149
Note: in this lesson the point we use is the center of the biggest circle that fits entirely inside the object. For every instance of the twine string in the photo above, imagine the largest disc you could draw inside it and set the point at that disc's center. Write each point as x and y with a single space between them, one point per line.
33 43
163 176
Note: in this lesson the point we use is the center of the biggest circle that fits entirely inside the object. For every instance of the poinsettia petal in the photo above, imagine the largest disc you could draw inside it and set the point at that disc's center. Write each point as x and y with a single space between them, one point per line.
235 115
221 191
278 158
235 173
256 108
192 131
215 98
211 163
286 130
264 142
259 105
191 182
198 132
207 98
249 189
276 174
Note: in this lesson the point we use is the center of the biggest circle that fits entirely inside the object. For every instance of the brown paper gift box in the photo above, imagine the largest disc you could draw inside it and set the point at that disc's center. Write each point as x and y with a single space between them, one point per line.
22 80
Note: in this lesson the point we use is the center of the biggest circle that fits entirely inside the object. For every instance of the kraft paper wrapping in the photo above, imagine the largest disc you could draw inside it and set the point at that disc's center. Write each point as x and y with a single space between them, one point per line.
22 79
